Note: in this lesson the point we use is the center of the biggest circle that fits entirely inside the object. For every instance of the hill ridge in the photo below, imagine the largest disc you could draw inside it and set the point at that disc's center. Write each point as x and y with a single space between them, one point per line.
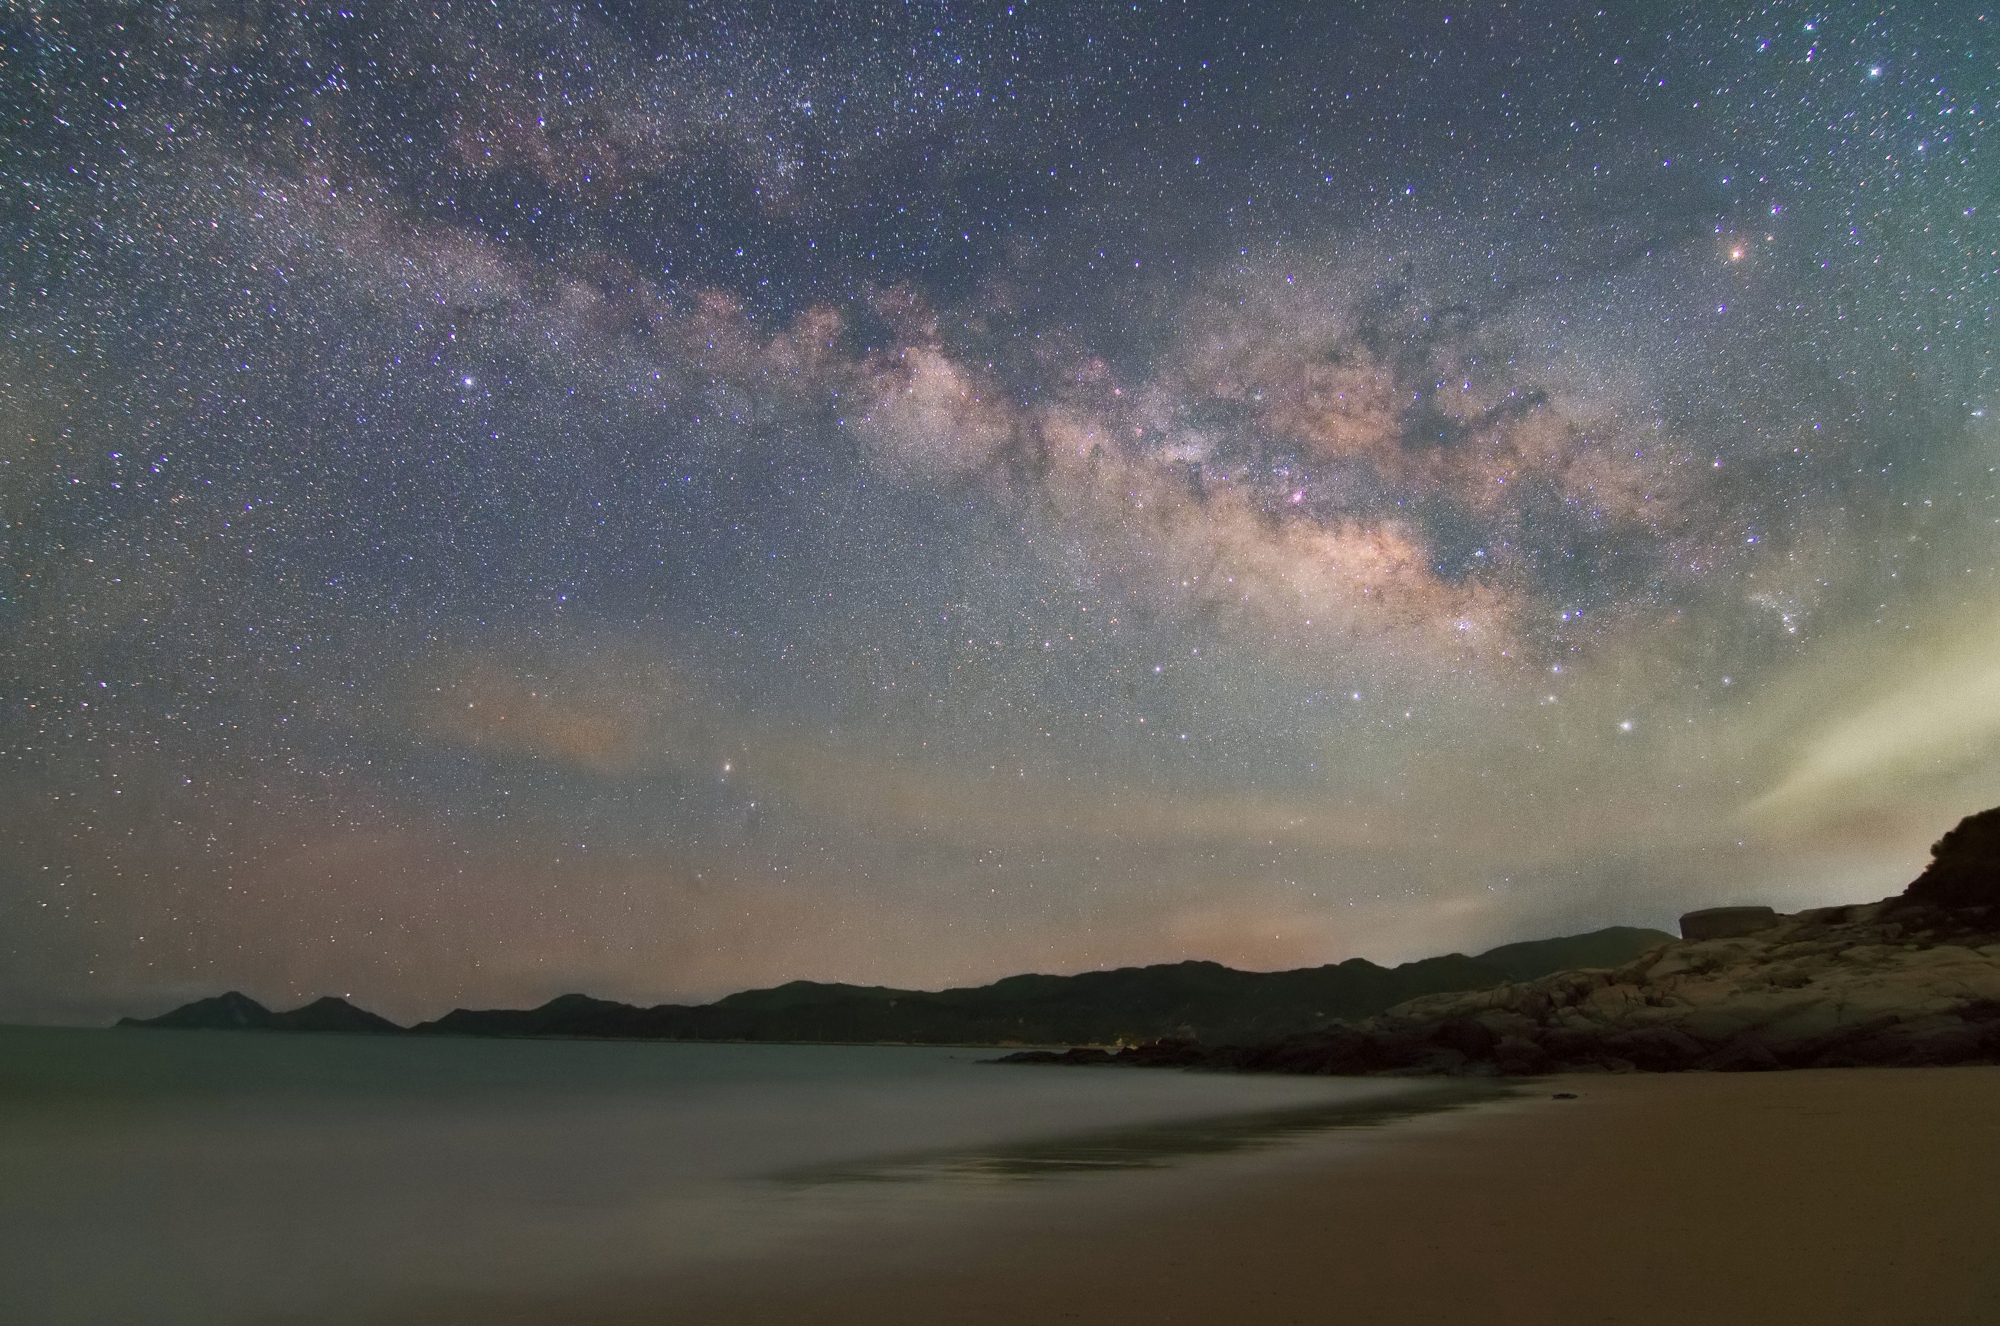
1196 998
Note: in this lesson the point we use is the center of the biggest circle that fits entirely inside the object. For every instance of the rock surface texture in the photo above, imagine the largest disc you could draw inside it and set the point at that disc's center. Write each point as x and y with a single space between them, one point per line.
1914 979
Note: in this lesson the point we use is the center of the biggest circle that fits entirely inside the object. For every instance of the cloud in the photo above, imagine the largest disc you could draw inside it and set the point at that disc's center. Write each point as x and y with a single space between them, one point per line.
614 708
626 712
1938 721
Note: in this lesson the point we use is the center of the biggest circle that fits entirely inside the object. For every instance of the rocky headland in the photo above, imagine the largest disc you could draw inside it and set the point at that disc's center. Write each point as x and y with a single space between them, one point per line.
1910 980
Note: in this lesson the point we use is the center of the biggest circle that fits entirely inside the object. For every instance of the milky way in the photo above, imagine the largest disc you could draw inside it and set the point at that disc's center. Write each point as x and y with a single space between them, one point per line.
500 499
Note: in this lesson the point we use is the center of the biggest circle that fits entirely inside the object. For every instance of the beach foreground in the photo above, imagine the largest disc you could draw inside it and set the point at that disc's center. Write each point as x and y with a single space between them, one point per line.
1837 1196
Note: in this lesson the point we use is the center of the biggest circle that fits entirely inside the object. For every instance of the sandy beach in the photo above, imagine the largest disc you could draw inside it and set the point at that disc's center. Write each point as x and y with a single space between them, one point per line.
197 1179
1846 1196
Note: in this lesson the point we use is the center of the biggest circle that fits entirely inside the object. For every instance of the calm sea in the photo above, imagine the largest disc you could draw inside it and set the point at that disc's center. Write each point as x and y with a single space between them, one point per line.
166 1177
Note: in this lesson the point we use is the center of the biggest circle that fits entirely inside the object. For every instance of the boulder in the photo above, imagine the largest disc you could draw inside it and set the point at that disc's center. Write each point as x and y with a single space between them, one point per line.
1518 1057
1726 922
1744 1054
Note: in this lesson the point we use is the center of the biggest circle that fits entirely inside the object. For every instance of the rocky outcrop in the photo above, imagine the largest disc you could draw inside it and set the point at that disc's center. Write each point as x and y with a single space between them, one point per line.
1885 983
1910 980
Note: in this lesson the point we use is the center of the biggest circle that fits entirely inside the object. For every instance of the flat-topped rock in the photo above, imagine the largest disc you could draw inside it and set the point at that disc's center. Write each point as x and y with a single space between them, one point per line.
1726 922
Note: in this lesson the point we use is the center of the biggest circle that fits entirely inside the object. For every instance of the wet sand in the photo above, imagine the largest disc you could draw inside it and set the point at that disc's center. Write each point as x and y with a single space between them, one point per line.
1848 1196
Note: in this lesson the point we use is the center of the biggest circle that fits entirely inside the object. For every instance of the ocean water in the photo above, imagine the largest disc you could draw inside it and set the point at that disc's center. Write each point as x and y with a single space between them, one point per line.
166 1177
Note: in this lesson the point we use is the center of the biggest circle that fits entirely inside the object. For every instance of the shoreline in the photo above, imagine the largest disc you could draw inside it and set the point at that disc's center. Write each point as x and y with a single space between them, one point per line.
1838 1196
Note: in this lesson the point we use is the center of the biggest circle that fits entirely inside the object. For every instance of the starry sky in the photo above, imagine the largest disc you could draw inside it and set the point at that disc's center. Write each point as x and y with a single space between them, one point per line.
657 499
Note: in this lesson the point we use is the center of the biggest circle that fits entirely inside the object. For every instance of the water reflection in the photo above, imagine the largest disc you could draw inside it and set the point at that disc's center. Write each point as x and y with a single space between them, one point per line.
1147 1146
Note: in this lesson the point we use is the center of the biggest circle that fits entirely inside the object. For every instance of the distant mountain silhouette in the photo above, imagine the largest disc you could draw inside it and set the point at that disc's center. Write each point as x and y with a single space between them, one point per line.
330 1014
224 1012
1197 1000
239 1012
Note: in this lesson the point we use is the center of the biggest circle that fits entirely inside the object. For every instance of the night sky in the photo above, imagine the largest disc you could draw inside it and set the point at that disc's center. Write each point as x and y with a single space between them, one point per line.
655 499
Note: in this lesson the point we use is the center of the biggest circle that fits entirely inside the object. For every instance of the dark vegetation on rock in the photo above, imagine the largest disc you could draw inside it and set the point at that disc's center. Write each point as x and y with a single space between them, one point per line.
1911 980
1965 866
1202 1000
